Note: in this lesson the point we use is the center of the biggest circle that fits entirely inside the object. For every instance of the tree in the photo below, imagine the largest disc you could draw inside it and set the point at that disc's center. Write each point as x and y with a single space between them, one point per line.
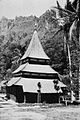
68 19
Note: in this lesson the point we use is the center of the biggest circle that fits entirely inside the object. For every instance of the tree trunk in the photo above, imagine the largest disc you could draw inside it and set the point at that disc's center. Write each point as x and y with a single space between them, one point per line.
65 44
70 75
79 63
79 46
78 38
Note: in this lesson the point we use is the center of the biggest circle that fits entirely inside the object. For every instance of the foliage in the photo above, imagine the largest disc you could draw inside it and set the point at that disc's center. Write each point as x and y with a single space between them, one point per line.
69 21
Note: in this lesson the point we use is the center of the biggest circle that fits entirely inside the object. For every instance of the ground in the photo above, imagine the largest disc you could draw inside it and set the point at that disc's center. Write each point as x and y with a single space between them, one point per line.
39 112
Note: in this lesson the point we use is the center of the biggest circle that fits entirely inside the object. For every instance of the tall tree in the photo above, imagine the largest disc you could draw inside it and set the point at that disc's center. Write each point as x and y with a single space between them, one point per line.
68 18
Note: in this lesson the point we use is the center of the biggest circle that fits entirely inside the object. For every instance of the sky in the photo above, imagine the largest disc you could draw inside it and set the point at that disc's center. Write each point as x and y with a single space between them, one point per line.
13 8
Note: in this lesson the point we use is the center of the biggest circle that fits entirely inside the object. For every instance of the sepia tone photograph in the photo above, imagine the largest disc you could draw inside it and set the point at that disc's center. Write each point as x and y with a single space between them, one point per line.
39 60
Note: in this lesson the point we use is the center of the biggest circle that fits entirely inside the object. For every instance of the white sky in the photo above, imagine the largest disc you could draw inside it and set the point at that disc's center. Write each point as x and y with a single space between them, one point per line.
12 8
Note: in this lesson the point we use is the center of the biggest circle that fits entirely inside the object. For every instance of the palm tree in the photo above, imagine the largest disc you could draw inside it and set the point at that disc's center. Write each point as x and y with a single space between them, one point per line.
68 18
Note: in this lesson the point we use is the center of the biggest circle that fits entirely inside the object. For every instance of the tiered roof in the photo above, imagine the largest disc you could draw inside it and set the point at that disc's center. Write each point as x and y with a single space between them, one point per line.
35 51
29 74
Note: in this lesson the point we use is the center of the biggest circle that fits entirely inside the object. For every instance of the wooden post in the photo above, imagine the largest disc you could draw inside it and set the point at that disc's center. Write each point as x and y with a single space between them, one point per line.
59 98
39 96
24 99
39 93
66 102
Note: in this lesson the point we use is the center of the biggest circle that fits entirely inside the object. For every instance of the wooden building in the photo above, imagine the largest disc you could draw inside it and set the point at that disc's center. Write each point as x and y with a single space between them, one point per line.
33 80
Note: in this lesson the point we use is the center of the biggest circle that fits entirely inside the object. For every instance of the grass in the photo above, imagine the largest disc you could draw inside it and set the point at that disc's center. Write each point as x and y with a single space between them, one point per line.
40 112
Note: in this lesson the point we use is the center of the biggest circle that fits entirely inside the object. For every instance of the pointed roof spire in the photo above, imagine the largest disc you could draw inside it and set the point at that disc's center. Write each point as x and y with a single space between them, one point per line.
35 25
35 49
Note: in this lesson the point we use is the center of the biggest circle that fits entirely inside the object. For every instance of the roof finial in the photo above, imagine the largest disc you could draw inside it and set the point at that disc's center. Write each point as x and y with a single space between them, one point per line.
35 25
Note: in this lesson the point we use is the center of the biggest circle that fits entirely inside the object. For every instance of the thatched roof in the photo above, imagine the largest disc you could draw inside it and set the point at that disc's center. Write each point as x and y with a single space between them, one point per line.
35 68
35 49
30 84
